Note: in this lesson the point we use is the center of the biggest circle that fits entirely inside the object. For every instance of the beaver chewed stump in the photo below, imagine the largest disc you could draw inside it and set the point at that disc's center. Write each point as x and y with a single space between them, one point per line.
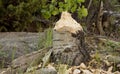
68 42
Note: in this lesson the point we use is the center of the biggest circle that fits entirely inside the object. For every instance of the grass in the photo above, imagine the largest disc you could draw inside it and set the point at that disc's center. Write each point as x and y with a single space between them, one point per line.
13 53
48 38
45 41
3 55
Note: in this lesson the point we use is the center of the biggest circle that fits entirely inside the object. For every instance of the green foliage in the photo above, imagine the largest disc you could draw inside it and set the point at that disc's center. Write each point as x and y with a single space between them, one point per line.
79 1
19 14
82 12
55 7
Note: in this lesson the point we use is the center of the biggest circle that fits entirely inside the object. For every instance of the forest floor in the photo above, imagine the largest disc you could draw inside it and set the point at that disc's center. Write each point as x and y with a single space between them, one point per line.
105 59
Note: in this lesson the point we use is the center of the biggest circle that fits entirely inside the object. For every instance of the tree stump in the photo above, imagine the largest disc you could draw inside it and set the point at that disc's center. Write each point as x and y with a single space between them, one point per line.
68 42
69 49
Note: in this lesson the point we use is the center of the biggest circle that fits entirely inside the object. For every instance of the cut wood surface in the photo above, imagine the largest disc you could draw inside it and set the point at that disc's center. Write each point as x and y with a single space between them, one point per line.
67 24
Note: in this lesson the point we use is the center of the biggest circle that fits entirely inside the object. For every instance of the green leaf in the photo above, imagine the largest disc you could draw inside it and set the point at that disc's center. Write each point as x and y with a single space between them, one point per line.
80 1
61 4
43 10
46 14
69 4
44 6
60 9
84 12
65 1
79 12
53 1
51 7
66 7
73 9
10 7
54 12
56 9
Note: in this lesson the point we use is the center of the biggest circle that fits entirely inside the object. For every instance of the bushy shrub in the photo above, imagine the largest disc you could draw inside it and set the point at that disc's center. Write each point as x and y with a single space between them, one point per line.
17 15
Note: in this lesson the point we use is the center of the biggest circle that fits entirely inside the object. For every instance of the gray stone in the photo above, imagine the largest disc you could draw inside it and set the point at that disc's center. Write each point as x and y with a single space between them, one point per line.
46 71
16 44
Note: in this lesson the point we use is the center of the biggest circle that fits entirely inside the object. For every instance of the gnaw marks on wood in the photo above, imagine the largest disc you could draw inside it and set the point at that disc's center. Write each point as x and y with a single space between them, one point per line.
67 24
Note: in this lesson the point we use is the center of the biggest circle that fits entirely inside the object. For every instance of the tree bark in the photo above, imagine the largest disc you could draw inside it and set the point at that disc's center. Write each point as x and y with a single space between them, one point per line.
99 18
90 2
69 48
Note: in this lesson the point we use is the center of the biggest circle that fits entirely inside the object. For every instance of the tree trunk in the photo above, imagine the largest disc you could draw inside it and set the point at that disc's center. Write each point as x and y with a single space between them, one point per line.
69 48
99 18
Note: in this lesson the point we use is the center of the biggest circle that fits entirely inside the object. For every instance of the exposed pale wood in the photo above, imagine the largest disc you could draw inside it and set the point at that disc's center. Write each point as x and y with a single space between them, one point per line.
67 24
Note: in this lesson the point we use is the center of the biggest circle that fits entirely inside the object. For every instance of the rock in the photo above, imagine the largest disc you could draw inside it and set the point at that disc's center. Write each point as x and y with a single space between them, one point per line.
6 71
22 64
112 58
15 44
31 59
97 71
87 72
76 71
117 72
46 71
110 69
83 66
118 66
